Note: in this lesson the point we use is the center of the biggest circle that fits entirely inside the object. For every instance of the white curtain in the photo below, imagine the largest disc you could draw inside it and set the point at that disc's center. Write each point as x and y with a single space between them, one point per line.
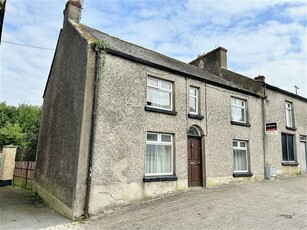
159 99
240 160
158 159
237 114
192 104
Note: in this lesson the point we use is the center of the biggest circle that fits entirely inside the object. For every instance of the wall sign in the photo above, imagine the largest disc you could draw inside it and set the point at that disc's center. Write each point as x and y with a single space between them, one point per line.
271 126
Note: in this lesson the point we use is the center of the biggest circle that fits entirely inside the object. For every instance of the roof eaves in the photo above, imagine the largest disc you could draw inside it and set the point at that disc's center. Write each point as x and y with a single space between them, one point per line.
191 76
268 86
152 58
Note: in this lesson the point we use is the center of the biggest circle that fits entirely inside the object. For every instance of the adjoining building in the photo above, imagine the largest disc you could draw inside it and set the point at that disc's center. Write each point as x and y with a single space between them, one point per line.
121 123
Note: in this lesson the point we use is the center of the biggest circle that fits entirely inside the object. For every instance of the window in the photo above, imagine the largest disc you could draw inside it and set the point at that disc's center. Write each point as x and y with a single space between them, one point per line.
240 161
159 93
288 151
238 110
193 132
193 103
159 154
289 118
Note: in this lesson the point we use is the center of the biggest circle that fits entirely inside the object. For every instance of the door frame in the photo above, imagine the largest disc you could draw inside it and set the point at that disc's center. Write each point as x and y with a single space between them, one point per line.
201 160
303 158
202 154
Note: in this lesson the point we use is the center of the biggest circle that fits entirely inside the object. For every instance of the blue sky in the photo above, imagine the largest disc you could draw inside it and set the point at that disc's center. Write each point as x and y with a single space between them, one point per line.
263 37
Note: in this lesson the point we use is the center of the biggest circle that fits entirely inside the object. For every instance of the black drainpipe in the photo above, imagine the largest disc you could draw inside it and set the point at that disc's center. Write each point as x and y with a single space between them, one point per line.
91 146
263 105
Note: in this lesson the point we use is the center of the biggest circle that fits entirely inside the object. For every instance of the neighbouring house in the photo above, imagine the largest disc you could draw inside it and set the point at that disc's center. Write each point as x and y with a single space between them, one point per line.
121 123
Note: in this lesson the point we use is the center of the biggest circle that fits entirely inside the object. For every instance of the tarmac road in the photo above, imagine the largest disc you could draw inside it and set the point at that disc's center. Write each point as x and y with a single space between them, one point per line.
20 209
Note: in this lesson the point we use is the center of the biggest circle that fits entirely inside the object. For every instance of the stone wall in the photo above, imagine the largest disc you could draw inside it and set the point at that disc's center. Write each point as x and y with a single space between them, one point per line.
7 164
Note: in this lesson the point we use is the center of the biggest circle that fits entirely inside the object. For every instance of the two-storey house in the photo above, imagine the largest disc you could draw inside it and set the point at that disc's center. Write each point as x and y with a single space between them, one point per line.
121 123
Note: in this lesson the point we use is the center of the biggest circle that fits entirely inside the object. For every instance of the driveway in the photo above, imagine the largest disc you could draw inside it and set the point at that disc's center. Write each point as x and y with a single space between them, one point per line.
20 209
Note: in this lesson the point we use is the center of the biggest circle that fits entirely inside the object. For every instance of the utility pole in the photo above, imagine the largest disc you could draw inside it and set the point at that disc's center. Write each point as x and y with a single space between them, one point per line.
2 11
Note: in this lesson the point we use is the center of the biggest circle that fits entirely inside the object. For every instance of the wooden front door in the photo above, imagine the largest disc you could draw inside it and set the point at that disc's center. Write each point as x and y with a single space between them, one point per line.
194 162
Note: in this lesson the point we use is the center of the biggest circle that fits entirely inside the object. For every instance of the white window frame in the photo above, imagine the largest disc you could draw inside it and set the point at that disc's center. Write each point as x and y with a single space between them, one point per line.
235 103
194 97
160 142
289 114
246 154
160 89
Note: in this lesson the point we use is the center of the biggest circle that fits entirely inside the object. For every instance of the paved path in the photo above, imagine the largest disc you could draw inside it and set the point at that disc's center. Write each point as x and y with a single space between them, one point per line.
279 204
19 209
276 205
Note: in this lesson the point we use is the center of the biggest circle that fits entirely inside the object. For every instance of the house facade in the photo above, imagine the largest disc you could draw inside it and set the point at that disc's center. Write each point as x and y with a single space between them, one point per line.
285 145
121 123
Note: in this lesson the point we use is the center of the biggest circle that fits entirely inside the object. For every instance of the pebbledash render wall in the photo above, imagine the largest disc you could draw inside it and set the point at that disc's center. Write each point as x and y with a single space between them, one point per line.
221 133
62 153
120 137
122 125
275 112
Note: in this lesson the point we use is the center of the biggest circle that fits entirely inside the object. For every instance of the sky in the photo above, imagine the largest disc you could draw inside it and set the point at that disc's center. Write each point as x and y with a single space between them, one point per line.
263 37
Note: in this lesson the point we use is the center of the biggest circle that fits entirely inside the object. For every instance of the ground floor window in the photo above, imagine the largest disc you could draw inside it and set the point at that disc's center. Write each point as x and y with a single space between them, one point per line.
159 154
288 147
240 156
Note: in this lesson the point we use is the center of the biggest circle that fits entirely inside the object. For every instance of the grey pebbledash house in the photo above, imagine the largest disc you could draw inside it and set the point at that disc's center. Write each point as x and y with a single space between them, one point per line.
121 123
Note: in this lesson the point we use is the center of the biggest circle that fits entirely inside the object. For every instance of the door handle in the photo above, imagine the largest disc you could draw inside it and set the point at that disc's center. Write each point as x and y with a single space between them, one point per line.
199 162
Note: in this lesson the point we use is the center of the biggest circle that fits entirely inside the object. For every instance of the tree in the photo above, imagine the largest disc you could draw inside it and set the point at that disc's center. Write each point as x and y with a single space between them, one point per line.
11 134
19 126
29 119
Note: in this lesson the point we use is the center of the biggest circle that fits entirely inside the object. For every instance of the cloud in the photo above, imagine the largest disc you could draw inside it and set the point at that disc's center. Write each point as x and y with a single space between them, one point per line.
24 70
262 37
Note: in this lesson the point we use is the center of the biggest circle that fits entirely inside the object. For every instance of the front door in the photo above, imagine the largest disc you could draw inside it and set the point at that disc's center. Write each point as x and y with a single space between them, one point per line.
194 161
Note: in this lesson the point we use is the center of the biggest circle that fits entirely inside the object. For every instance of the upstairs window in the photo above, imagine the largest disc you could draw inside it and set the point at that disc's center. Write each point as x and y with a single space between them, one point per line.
159 154
238 110
159 93
289 114
193 102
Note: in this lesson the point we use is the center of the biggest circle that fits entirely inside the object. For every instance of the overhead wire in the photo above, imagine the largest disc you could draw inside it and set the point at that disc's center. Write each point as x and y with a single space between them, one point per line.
36 47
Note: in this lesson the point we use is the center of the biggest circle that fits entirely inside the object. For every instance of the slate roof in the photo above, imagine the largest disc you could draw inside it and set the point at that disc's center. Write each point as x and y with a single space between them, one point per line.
134 52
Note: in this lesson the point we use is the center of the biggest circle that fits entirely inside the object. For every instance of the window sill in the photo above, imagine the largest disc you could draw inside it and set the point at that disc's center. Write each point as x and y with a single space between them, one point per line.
291 128
155 110
242 174
289 163
240 124
159 178
195 116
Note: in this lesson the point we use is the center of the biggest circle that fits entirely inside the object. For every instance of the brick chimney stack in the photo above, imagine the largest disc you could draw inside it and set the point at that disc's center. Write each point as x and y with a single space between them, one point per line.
212 61
73 10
